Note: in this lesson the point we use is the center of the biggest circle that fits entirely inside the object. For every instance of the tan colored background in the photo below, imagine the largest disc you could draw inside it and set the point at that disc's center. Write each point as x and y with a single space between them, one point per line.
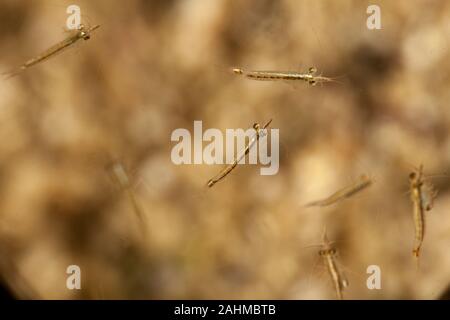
155 66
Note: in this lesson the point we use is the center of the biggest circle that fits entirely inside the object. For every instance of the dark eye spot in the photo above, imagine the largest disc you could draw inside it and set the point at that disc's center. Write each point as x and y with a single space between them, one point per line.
412 175
312 82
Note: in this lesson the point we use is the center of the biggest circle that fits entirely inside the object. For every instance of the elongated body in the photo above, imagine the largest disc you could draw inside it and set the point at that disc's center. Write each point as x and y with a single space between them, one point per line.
222 174
363 182
329 255
309 77
81 33
422 197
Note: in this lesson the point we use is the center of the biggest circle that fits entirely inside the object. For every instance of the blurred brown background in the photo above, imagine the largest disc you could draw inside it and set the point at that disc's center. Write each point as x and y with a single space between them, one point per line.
155 66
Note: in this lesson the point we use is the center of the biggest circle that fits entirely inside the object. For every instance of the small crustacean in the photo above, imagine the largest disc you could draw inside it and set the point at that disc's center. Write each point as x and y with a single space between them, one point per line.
329 255
82 32
222 174
363 182
309 76
422 197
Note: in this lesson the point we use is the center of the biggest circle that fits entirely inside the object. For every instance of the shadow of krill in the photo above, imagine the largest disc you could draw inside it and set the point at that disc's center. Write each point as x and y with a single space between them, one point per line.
363 183
121 178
